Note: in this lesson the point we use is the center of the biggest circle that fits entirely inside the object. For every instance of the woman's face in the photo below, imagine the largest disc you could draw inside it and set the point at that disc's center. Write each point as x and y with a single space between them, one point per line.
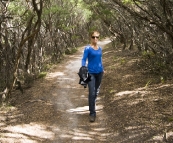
95 37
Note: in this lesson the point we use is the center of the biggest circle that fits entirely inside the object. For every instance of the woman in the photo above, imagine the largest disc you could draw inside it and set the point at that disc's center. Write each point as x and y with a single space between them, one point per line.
93 53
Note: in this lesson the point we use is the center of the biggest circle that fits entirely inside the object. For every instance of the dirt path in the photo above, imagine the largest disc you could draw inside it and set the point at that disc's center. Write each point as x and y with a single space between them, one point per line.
55 110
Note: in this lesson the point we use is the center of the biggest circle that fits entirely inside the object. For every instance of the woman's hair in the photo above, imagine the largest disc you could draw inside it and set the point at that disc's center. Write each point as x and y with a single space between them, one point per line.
92 32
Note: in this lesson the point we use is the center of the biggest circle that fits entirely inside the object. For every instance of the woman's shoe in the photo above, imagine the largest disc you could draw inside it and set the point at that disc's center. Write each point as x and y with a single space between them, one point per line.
92 118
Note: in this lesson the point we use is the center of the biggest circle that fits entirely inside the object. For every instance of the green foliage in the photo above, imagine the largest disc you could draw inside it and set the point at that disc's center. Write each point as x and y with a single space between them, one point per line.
54 9
74 37
63 14
16 8
67 28
147 54
147 84
170 119
46 67
7 107
74 50
107 12
42 74
162 79
19 8
123 61
20 11
70 51
127 1
112 91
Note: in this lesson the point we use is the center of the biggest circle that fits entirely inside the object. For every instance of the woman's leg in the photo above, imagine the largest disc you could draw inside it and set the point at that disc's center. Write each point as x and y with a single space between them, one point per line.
98 83
94 86
91 97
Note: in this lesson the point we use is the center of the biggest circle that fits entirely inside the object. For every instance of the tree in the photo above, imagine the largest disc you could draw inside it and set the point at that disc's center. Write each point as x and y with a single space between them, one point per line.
37 33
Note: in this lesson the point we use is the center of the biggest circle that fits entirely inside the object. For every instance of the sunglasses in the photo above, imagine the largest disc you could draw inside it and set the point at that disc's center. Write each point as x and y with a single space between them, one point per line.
95 37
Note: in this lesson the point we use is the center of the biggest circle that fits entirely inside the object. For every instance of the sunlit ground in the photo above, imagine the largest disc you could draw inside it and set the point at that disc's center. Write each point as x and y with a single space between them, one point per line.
54 75
26 133
36 132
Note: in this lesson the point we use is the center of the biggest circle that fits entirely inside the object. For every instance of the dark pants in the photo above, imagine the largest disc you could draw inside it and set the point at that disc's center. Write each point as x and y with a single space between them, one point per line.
94 86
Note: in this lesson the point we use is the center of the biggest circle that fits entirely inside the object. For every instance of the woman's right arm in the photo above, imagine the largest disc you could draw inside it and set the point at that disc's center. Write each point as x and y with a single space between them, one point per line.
85 56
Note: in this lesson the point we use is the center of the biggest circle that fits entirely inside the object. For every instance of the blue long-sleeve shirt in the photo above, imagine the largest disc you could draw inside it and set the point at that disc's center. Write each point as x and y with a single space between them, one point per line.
94 58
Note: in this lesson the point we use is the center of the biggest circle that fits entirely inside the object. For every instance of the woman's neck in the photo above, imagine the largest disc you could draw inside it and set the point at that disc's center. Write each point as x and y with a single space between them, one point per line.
95 46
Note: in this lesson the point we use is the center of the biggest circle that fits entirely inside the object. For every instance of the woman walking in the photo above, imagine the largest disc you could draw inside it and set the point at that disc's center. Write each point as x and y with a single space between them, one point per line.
93 54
